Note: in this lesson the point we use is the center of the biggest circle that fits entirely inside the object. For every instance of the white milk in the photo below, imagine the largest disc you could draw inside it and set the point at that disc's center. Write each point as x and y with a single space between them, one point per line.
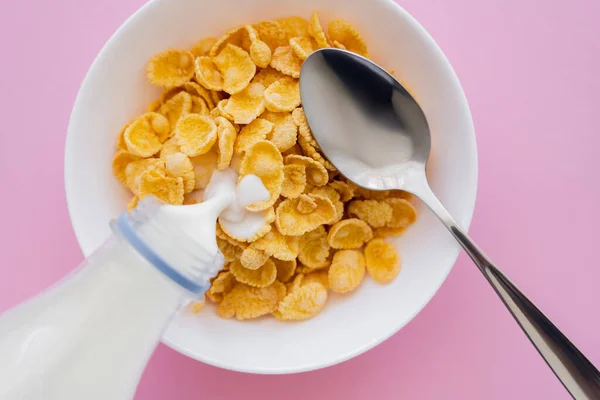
90 336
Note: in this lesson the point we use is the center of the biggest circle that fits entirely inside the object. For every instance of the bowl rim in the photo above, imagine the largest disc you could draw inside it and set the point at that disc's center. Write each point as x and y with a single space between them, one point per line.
470 199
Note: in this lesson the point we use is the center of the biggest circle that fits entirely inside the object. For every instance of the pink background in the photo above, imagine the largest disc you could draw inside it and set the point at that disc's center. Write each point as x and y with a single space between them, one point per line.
537 212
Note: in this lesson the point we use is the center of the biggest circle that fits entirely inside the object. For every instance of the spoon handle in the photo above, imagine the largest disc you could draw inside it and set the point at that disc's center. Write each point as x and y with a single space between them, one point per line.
573 369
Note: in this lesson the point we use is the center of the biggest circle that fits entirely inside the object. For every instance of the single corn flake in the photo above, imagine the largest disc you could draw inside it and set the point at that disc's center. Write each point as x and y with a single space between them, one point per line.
316 174
121 145
199 91
349 233
260 53
285 61
345 34
246 105
373 212
219 111
252 133
303 303
136 169
141 137
221 285
226 137
294 180
208 74
278 246
403 213
169 147
202 47
247 302
178 165
230 251
306 204
314 249
383 262
293 27
285 269
267 76
291 222
167 189
347 271
303 46
204 166
176 107
171 68
260 277
321 276
264 160
316 31
195 134
120 162
253 258
271 33
331 194
346 191
236 67
285 131
283 95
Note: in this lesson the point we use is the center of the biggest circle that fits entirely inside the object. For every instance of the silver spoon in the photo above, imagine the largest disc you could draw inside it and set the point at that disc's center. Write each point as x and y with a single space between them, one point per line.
377 136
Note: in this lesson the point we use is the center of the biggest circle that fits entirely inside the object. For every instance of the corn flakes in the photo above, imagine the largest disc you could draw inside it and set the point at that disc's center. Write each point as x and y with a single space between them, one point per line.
141 137
283 95
294 180
120 162
204 165
203 46
347 270
236 67
246 105
302 303
208 74
314 249
403 213
253 258
178 165
267 76
247 302
171 68
271 33
167 189
252 133
275 245
264 160
195 134
260 277
349 233
226 136
331 194
345 34
316 174
176 107
285 61
293 27
316 31
135 169
302 46
291 222
373 212
285 131
383 262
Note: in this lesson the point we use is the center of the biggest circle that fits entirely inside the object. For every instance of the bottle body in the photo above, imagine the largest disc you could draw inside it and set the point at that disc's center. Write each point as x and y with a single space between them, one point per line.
91 335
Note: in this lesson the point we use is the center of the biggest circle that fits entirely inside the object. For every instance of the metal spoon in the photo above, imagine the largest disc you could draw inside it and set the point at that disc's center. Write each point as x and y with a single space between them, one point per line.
375 134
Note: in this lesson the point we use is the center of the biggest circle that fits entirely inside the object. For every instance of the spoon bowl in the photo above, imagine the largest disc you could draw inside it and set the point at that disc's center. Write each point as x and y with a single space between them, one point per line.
374 132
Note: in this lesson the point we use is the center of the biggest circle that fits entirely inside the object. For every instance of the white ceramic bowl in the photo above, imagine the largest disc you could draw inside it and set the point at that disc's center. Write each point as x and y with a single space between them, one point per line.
115 90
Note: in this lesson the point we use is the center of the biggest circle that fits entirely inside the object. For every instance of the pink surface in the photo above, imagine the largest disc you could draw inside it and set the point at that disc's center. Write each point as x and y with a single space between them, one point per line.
536 216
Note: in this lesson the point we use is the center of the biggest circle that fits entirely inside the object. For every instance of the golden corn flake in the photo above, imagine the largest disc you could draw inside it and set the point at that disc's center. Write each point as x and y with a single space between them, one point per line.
260 277
171 68
219 111
208 74
349 234
141 138
285 269
204 166
403 213
346 191
285 61
236 67
283 95
246 105
253 258
293 27
252 133
178 165
226 136
306 204
167 189
169 147
230 251
316 31
331 194
291 222
344 33
373 212
383 262
316 174
203 46
294 180
247 302
295 284
285 131
221 285
264 160
267 76
321 276
195 134
196 90
302 46
271 33
338 45
314 249
347 270
199 106
302 303
136 169
281 247
237 36
259 51
176 107
120 162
